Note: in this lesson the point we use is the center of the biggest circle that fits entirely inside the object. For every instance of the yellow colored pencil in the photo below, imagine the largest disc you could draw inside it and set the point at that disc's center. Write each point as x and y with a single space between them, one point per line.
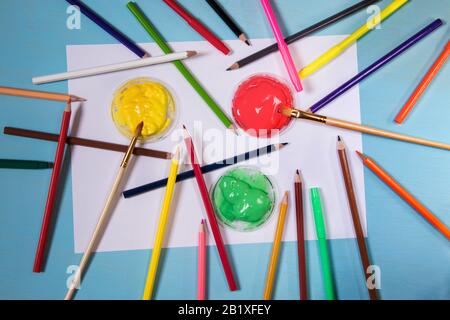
335 51
271 271
164 215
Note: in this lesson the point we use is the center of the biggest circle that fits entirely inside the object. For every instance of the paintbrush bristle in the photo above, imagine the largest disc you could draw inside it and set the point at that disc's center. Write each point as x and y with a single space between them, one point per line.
286 111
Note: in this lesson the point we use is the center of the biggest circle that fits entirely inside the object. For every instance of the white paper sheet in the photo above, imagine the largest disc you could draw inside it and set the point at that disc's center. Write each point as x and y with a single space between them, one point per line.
312 146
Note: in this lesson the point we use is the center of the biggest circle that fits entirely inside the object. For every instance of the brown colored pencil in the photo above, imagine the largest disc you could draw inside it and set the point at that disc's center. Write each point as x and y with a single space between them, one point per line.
300 237
86 143
352 126
39 94
363 252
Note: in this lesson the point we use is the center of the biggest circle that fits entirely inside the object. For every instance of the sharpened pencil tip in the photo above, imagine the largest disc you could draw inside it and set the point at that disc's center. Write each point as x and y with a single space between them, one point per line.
184 127
363 157
285 197
297 178
234 66
285 143
191 53
339 138
248 43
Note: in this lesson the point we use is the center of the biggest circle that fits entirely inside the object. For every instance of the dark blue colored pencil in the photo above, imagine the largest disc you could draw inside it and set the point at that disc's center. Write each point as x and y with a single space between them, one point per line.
105 25
205 169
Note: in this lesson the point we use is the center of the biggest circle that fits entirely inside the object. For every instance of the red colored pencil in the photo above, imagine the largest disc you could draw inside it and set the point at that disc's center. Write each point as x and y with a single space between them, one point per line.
300 237
423 85
59 157
405 195
210 212
198 26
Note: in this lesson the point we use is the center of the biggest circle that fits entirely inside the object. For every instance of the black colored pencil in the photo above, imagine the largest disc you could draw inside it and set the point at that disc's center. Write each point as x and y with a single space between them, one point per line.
303 33
228 20
24 164
205 169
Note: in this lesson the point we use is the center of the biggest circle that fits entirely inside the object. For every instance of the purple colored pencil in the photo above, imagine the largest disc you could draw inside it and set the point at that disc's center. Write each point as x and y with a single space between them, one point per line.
105 25
375 66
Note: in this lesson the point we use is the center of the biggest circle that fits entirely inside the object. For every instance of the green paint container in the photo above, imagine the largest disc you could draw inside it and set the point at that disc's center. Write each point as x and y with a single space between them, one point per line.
244 198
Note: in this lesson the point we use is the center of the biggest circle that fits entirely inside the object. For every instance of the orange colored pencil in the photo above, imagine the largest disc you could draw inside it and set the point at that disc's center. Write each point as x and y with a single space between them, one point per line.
423 85
39 94
405 195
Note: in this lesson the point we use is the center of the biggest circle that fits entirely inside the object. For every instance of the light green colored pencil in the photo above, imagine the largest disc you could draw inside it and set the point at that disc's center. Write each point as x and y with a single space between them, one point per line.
151 30
323 246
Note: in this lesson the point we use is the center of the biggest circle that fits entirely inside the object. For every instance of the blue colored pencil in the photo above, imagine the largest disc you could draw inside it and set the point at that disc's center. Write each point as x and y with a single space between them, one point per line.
105 25
376 66
205 169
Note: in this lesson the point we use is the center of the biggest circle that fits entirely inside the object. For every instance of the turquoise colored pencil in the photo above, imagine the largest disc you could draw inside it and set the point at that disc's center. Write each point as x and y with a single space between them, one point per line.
323 246
151 30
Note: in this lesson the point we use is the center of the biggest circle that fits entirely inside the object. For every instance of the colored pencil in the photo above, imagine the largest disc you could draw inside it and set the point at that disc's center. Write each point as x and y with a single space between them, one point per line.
352 126
87 143
201 269
383 61
404 194
51 195
104 216
205 169
162 226
24 164
338 49
228 20
210 212
282 46
109 28
198 26
301 254
321 233
145 62
351 197
303 33
148 26
39 94
423 85
272 268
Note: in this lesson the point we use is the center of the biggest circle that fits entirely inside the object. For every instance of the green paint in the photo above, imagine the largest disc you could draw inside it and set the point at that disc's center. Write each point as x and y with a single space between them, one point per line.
244 198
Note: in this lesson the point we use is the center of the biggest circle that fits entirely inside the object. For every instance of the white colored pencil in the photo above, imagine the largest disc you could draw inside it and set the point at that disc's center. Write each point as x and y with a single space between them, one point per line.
114 67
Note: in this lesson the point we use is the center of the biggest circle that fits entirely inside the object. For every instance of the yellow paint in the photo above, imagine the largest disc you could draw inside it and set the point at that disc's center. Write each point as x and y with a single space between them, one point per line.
143 100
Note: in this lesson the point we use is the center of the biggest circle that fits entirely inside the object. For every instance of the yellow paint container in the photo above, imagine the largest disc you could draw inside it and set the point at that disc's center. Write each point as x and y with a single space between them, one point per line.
143 99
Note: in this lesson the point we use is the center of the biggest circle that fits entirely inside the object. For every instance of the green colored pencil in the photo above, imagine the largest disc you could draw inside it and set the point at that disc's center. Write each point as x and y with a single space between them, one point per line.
323 246
24 164
151 30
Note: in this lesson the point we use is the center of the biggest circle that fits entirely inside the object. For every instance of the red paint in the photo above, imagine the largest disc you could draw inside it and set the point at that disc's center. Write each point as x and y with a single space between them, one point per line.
257 104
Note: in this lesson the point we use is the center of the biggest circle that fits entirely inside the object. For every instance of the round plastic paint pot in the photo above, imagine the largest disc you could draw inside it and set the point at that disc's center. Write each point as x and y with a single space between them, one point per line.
144 99
257 104
244 198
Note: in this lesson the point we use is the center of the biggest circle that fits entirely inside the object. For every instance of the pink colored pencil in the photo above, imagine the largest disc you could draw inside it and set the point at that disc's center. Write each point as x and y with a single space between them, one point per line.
201 276
282 45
